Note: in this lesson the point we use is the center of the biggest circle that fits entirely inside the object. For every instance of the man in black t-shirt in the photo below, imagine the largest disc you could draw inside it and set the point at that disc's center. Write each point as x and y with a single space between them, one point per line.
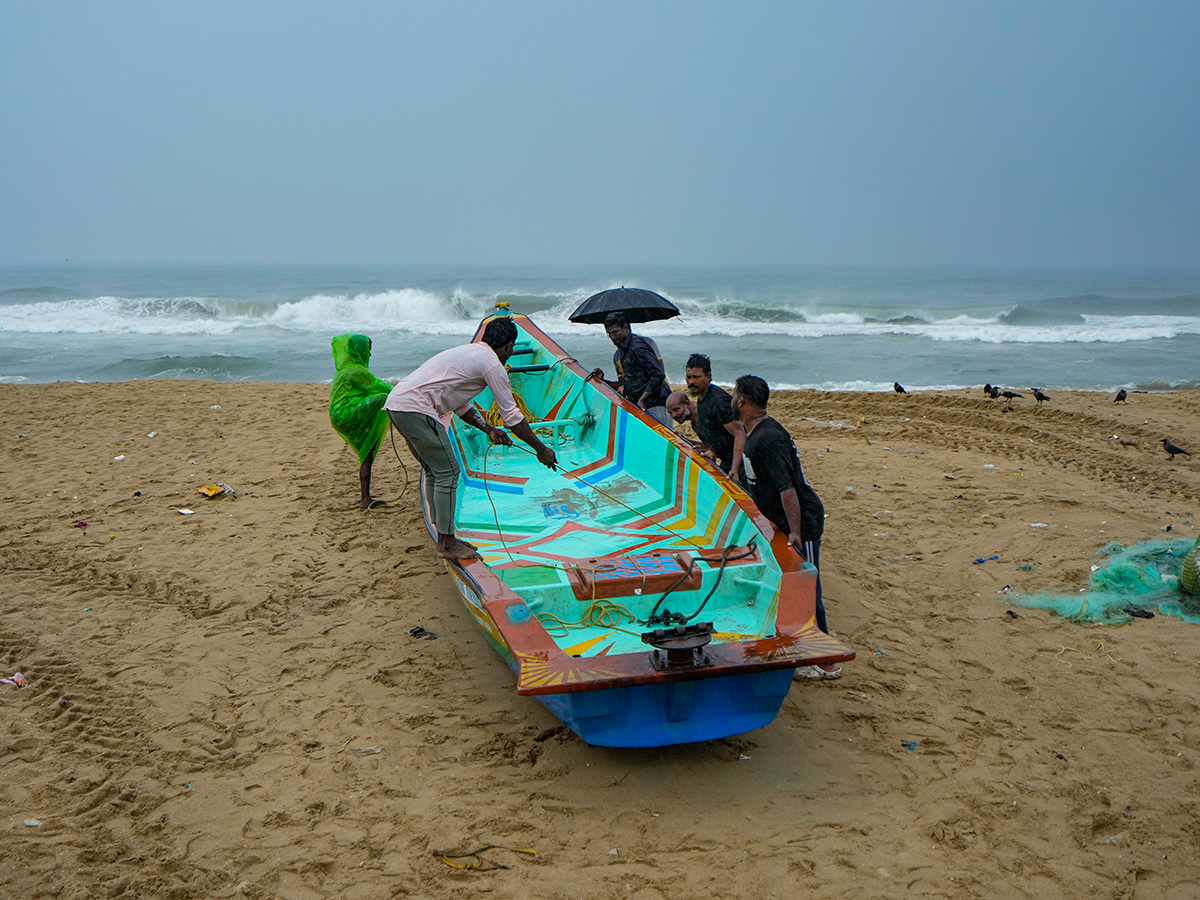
714 422
775 479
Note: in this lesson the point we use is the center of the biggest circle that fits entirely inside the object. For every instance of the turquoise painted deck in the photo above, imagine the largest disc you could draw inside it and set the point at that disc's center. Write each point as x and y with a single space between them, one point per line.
622 491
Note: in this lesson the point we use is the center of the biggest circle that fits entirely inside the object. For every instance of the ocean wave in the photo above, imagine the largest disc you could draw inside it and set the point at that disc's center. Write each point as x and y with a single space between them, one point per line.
28 292
458 312
214 367
392 309
117 315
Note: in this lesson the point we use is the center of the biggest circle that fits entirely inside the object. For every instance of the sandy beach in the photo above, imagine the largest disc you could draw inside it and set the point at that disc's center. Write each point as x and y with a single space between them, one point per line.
229 703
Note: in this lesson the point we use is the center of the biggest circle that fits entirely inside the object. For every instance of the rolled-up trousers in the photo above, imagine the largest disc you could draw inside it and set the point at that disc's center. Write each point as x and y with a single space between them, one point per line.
430 444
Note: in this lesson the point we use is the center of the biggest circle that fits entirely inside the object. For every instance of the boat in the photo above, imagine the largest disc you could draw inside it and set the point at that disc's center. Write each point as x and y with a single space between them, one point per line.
637 592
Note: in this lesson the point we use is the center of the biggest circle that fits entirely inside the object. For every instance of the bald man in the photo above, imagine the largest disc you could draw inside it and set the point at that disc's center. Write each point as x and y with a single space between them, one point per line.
722 444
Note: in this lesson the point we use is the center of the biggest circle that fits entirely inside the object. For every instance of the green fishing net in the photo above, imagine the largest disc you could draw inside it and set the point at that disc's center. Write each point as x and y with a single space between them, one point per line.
356 397
1160 576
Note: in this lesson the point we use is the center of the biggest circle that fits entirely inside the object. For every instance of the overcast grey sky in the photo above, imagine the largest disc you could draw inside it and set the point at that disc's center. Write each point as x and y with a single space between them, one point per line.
1022 132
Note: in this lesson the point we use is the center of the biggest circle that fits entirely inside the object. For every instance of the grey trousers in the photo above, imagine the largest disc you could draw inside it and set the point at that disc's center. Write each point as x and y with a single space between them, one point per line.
430 444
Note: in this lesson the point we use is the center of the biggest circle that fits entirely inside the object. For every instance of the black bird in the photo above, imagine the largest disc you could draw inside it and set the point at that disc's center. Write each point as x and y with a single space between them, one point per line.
1009 395
1172 449
1039 396
1121 395
992 392
898 388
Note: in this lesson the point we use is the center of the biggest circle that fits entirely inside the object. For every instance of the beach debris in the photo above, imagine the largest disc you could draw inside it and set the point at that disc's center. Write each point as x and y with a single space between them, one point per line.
214 407
152 434
1037 524
859 695
829 424
475 862
421 632
33 823
16 679
80 524
118 458
187 512
366 751
909 745
979 561
217 489
742 756
1138 613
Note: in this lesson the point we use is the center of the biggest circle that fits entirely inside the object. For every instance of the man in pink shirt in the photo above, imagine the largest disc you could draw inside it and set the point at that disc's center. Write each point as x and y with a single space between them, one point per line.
448 382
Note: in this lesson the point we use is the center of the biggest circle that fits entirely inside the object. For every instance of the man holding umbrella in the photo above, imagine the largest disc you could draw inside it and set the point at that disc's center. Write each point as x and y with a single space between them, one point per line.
640 374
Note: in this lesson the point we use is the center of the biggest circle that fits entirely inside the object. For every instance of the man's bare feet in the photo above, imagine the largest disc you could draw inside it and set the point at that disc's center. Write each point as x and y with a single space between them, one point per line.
456 549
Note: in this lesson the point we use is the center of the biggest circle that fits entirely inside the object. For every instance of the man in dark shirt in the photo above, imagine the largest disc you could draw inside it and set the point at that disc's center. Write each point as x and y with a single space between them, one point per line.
775 479
640 374
715 422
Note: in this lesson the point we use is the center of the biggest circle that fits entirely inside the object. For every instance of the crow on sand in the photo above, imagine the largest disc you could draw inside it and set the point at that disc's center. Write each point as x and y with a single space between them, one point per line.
1172 449
1121 395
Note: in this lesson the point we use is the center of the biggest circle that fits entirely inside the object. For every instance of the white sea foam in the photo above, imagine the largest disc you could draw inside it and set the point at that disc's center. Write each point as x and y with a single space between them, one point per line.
116 315
419 311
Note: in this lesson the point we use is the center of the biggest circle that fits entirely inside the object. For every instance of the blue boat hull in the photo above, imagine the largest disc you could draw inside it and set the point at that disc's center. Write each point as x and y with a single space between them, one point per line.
679 712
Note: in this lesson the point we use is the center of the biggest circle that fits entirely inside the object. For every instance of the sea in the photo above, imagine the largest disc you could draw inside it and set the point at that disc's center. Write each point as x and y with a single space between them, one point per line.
828 328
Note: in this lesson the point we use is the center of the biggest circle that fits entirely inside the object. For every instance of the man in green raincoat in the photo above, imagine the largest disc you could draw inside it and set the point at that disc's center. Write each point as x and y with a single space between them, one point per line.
356 400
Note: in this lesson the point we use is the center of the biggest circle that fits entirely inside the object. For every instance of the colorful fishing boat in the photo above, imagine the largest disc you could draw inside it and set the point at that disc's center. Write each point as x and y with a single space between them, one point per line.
637 592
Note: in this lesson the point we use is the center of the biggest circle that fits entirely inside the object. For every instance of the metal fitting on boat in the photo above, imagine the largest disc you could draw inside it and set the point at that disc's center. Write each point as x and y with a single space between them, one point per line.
681 644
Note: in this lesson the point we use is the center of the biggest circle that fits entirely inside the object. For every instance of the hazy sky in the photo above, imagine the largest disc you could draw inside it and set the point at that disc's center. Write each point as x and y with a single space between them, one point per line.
905 132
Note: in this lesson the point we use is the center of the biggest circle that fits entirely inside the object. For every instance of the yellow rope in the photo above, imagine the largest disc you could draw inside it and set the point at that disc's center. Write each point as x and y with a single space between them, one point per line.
494 418
597 614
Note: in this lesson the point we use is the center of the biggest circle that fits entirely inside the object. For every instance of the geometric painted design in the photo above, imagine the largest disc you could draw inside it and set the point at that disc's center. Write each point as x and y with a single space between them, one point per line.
542 670
612 526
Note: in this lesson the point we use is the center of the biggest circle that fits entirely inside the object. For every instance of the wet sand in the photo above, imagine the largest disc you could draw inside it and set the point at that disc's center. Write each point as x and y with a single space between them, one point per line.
230 703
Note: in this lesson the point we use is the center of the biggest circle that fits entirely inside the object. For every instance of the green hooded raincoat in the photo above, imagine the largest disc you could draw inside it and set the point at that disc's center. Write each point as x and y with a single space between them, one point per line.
356 397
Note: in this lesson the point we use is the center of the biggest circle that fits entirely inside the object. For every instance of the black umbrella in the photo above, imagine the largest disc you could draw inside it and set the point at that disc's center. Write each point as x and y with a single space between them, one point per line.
638 304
